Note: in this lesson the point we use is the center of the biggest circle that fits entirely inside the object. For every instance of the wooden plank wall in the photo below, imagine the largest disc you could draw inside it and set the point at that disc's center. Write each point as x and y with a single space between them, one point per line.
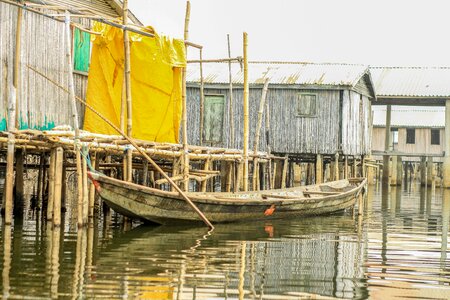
42 105
289 133
422 145
356 116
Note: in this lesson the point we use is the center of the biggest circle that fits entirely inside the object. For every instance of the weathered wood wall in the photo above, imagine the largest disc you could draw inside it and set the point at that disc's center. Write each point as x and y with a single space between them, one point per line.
422 145
356 115
290 133
42 105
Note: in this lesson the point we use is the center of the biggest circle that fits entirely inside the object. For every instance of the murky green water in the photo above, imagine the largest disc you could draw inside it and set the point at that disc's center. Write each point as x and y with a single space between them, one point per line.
397 249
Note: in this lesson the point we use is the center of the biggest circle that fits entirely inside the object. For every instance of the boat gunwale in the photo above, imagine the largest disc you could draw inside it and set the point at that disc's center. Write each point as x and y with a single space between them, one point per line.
211 198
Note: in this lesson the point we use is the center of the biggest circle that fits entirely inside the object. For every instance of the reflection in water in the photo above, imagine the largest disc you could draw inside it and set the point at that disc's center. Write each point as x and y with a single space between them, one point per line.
397 248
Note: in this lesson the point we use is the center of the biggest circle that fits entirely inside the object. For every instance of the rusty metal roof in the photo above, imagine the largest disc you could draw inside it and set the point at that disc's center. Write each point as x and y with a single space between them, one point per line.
326 74
424 82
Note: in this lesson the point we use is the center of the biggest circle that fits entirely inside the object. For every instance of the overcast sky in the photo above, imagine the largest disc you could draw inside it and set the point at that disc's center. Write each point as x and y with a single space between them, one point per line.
377 32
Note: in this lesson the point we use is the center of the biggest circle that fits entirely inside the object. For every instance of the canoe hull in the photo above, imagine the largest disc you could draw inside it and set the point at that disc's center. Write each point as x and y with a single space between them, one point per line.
169 208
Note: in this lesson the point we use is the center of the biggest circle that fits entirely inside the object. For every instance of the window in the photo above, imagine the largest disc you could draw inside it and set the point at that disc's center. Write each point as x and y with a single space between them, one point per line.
81 50
306 105
435 137
410 136
213 119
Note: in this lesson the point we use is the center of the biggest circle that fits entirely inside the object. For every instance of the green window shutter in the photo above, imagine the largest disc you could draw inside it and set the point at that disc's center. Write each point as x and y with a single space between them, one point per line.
81 50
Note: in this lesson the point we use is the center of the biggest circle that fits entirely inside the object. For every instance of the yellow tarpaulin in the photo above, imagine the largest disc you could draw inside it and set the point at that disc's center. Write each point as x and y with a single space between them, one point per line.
155 84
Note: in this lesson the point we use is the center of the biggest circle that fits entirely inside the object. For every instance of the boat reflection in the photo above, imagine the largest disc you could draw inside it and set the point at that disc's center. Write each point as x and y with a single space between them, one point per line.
244 261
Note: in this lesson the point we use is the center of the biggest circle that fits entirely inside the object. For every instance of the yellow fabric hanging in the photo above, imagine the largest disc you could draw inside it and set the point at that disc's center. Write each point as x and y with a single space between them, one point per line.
156 85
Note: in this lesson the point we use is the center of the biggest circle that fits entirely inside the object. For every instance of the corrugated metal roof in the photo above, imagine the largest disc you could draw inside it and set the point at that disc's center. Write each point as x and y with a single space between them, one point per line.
404 116
411 81
280 73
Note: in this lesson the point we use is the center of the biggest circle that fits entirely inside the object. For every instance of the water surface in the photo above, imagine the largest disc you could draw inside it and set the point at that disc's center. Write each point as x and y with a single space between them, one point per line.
398 249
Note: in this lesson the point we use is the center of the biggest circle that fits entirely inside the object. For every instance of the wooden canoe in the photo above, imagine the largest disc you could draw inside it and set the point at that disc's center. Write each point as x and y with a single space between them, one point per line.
164 207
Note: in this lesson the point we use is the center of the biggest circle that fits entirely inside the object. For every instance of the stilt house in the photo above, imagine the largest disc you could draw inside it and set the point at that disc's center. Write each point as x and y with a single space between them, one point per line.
40 104
312 108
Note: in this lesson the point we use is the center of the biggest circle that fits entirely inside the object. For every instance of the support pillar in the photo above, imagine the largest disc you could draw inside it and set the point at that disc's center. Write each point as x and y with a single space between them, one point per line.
446 165
399 167
429 171
387 143
393 171
423 174
319 169
336 166
19 195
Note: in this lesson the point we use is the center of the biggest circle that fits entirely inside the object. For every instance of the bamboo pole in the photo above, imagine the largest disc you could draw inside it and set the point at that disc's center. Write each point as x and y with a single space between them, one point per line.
202 98
127 74
92 188
246 90
145 173
220 60
268 147
85 193
51 185
39 180
18 50
71 91
58 172
206 167
230 102
123 105
185 182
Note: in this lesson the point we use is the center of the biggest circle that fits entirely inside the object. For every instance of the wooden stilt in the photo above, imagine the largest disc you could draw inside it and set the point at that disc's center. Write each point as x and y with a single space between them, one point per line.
145 173
355 167
39 181
346 167
230 170
51 185
423 170
92 188
285 170
58 179
80 189
206 167
85 194
19 195
238 183
430 171
336 166
319 169
63 188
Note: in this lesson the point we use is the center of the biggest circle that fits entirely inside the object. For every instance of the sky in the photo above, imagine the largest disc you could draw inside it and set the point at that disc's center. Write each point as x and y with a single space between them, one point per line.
377 32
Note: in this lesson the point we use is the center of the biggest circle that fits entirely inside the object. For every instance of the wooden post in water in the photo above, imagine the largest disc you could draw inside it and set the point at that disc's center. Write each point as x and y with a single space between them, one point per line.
446 161
387 144
393 171
399 172
71 90
145 173
319 169
346 166
39 180
430 171
423 170
355 166
246 91
58 176
284 172
185 182
19 196
51 184
92 187
336 166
